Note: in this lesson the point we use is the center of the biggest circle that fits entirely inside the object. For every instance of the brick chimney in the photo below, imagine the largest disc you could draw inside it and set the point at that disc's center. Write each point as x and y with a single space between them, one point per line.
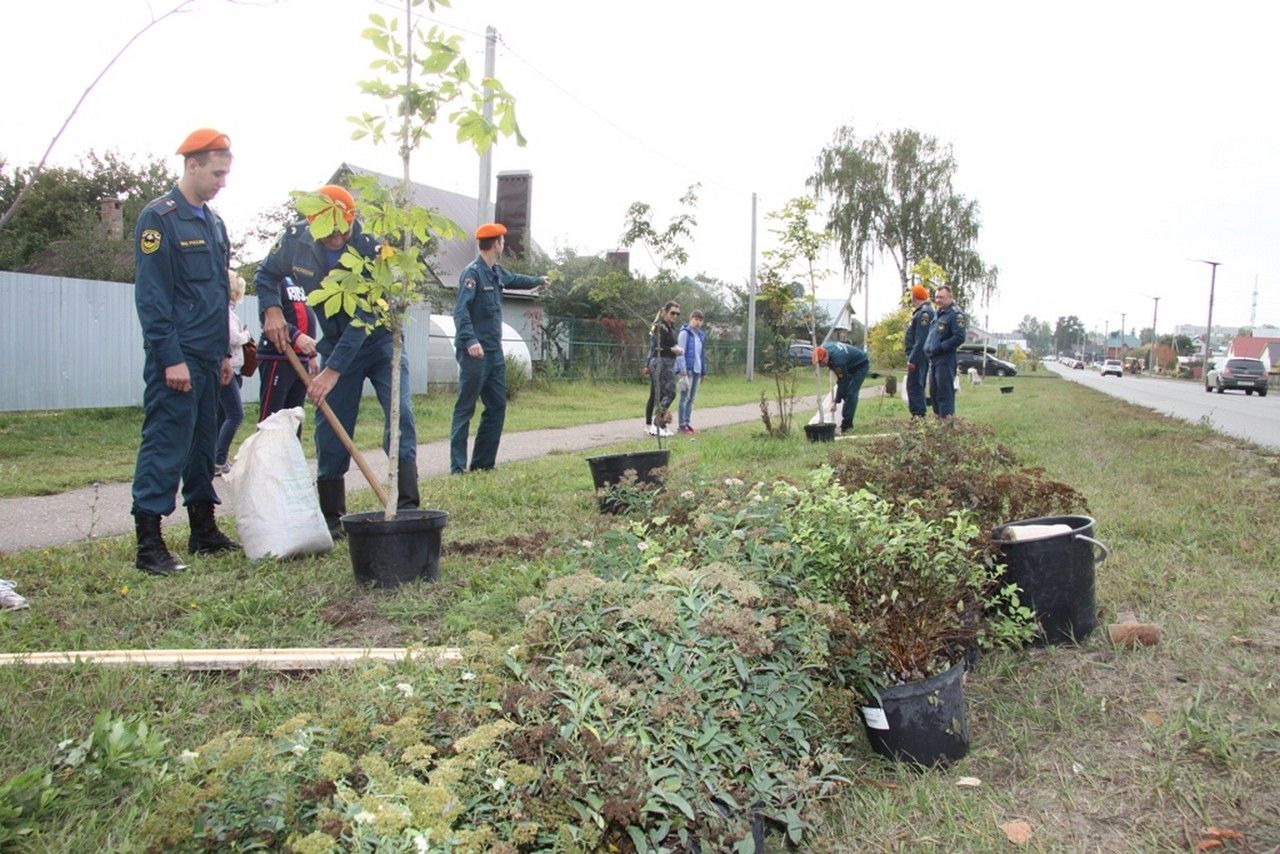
513 207
111 212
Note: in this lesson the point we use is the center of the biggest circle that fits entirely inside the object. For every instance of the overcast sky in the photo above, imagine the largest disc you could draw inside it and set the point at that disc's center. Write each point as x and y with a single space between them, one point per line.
1106 142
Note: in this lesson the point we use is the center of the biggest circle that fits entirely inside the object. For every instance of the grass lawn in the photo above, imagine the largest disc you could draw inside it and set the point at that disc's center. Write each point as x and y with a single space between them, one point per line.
44 453
1095 748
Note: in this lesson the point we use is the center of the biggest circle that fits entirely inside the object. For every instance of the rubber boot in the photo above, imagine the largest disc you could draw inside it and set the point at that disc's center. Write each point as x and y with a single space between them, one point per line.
153 555
333 504
407 485
205 537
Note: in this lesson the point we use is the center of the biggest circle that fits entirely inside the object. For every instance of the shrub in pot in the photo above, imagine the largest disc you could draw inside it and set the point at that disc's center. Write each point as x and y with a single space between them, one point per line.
911 591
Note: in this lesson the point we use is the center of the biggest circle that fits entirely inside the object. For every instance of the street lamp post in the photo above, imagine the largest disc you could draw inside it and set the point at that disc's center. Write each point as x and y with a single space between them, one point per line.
1124 344
1151 354
1208 330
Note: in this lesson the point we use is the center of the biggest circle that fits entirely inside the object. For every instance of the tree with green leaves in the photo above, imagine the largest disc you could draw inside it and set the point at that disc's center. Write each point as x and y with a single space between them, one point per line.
1037 333
58 228
800 244
1068 334
379 292
893 193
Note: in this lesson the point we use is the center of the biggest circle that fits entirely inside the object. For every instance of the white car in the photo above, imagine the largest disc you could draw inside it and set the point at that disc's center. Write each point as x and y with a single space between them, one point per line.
1113 366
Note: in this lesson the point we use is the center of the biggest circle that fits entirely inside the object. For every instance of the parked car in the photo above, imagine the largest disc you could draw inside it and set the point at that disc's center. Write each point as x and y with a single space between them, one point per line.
967 358
1113 366
1239 373
800 353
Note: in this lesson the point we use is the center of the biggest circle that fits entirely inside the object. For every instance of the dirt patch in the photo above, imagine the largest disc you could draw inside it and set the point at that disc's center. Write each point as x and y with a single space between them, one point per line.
517 545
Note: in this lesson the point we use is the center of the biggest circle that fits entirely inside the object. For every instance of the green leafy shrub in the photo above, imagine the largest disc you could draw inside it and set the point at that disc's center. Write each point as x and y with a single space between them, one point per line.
23 799
117 750
517 379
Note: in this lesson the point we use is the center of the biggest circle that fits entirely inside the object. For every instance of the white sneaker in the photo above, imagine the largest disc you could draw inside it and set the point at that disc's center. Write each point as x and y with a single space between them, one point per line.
664 433
652 429
9 598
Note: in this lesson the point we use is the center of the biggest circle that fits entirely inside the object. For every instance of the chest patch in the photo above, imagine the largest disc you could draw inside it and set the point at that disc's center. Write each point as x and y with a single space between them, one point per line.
303 271
191 244
149 241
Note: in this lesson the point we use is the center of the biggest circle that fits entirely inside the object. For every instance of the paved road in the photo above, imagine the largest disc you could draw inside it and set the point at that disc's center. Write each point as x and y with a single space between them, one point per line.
103 510
1234 412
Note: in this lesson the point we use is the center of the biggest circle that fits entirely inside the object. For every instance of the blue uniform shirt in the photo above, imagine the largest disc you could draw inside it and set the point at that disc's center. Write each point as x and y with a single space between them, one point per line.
297 255
843 359
477 314
917 334
180 288
947 332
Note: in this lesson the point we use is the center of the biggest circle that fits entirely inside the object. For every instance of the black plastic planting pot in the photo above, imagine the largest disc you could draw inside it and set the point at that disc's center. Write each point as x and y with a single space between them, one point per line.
1056 575
820 432
921 722
389 553
611 469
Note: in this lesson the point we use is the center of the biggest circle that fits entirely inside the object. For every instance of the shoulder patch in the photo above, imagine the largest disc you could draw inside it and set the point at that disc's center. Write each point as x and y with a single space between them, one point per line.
469 282
149 241
960 318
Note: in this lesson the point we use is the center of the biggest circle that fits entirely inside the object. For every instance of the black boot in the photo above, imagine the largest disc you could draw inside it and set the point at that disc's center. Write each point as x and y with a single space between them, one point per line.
407 485
205 538
333 504
153 556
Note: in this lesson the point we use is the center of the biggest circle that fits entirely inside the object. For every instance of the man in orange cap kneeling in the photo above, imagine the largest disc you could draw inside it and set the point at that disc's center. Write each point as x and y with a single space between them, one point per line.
482 368
181 290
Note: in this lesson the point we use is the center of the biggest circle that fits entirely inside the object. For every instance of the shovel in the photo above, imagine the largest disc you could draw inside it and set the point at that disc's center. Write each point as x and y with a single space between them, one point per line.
363 464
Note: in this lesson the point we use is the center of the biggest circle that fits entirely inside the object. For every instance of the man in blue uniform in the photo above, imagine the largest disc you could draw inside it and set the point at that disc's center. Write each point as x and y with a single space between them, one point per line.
350 354
914 341
482 370
181 290
850 365
945 336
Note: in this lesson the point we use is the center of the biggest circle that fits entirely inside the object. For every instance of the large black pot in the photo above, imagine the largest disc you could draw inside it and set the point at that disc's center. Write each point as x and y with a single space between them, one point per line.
1056 575
921 722
821 432
610 469
387 554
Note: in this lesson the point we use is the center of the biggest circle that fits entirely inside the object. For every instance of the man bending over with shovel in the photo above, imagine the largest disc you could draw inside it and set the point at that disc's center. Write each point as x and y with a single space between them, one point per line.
850 365
350 355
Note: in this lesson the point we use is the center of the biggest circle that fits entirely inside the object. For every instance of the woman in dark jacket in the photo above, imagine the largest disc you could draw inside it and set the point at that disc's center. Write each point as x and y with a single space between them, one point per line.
662 370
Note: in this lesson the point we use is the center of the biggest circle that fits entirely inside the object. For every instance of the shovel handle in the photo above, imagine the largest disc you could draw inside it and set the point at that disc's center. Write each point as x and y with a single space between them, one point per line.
1106 552
361 463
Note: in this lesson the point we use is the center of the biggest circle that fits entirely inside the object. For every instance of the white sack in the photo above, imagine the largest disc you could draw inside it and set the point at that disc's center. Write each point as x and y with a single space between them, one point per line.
277 509
1035 532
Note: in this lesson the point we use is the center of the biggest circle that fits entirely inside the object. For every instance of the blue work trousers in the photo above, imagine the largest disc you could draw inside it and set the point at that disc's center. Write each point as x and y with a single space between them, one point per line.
373 364
178 434
850 386
482 379
687 396
942 375
915 389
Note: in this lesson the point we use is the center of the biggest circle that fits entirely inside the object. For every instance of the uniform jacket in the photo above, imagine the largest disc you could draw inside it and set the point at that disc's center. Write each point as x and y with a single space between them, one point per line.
843 360
298 256
917 334
181 289
947 332
694 344
477 313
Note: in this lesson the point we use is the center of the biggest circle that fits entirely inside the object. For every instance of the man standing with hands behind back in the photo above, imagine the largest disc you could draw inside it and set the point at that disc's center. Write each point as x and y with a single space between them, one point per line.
482 369
181 291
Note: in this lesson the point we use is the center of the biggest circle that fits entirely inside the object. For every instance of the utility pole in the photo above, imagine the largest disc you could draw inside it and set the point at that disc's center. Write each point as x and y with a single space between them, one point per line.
1208 329
751 300
1151 354
1253 312
486 159
1106 339
1124 345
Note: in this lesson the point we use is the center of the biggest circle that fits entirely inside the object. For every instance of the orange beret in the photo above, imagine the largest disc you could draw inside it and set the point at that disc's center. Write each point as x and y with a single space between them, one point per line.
819 355
205 139
342 198
490 229
919 292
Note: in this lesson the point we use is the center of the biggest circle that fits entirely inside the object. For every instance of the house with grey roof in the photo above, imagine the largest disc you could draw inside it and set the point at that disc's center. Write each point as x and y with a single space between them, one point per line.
512 207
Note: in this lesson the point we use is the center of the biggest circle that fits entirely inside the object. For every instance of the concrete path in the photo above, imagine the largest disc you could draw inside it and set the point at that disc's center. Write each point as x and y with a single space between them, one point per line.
103 510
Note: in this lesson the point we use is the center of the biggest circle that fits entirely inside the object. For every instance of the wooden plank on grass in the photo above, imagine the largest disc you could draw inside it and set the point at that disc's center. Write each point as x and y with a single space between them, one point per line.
313 658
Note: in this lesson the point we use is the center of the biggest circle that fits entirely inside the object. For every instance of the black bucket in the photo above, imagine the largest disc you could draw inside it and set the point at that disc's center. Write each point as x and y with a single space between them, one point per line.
921 722
610 469
1056 575
1006 389
388 554
821 432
